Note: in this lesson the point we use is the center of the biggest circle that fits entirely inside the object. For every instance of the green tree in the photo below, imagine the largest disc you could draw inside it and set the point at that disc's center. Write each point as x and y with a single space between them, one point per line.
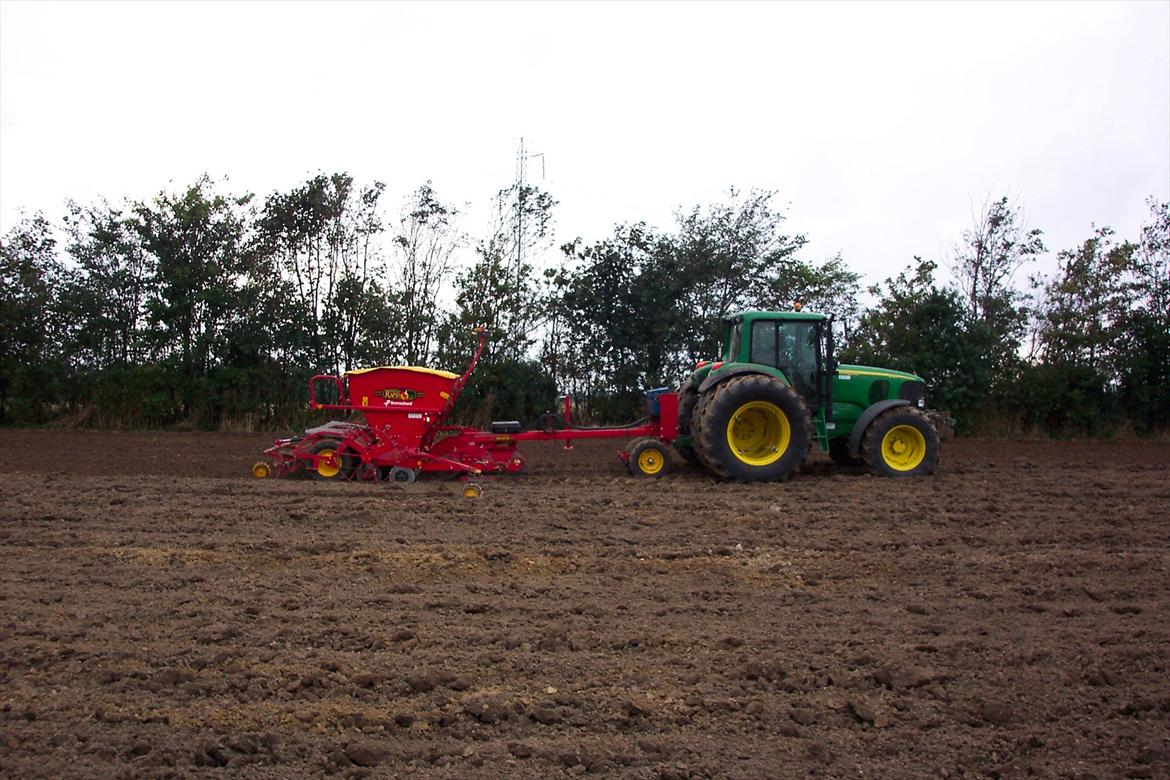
726 257
918 326
195 240
986 262
640 307
31 367
620 306
1081 318
426 241
354 296
990 255
830 288
485 295
108 294
499 291
1082 309
1143 348
320 241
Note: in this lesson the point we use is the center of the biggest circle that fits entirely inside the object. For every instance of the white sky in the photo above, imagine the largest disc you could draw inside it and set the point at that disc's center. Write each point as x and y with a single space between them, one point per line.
883 126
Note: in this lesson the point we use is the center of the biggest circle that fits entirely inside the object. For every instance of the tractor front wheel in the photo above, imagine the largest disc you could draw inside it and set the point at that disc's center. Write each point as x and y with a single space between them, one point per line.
900 443
753 428
648 458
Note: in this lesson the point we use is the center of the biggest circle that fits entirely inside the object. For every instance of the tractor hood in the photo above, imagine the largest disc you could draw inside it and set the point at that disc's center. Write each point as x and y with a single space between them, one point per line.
850 369
845 372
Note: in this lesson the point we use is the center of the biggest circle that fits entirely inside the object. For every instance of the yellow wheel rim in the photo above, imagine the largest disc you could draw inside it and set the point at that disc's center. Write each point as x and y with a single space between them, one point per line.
903 448
472 491
758 433
650 461
323 468
260 470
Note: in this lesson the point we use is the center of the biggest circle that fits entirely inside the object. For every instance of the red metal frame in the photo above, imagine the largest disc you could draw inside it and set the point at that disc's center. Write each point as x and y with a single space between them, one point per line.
406 434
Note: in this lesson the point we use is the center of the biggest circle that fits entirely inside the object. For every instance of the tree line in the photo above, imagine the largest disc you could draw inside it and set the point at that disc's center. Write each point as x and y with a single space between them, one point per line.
202 308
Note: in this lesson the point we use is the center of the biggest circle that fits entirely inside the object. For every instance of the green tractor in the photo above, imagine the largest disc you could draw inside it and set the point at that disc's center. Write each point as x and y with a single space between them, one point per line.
755 414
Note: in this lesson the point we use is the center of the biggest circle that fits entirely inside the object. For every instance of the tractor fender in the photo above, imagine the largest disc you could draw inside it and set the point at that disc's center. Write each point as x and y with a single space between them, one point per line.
866 418
717 377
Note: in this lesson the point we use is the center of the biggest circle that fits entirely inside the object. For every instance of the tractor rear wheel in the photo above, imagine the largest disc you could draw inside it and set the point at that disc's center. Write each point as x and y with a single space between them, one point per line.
323 472
900 443
648 458
753 428
697 427
688 396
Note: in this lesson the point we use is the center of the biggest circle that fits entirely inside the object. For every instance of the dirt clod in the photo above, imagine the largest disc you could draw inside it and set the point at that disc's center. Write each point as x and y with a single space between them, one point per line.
545 715
996 713
365 754
420 683
803 716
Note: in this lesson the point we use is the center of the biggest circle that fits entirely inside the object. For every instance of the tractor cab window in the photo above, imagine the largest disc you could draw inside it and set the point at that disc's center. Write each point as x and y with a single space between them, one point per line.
763 343
731 349
791 346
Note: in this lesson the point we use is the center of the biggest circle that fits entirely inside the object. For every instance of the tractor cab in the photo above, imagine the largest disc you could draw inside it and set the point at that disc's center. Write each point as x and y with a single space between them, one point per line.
796 346
792 345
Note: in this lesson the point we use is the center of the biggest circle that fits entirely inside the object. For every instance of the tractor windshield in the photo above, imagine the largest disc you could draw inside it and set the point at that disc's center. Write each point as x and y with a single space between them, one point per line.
792 347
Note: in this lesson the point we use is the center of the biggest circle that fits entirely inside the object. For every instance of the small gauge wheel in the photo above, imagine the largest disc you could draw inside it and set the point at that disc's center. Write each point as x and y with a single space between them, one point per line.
402 474
649 458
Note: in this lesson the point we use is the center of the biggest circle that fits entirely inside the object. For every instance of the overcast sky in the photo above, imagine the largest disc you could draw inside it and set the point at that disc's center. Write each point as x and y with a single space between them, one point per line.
882 126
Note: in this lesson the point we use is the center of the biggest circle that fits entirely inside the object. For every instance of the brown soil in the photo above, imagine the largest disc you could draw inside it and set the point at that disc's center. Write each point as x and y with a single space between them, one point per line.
165 615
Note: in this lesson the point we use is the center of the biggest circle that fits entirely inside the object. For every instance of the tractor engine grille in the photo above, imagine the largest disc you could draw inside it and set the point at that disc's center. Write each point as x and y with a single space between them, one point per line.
911 391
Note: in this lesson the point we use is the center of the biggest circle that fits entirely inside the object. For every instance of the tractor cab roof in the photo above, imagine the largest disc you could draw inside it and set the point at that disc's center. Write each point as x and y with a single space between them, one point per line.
807 316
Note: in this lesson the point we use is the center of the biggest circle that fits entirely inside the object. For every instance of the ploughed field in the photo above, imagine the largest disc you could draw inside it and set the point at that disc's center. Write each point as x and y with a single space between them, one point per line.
164 614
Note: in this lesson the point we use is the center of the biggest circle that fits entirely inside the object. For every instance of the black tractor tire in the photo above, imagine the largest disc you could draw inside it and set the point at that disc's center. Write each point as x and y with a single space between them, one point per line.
697 429
900 443
343 471
688 396
649 458
839 452
769 421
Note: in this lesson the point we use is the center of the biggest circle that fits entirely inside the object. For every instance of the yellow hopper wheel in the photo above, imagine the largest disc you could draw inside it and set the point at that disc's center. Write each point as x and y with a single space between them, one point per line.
472 490
261 470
